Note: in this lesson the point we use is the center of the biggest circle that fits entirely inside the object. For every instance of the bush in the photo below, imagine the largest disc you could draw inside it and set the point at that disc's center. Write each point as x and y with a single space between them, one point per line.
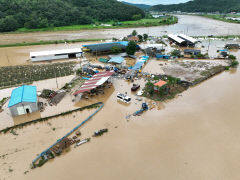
232 57
234 63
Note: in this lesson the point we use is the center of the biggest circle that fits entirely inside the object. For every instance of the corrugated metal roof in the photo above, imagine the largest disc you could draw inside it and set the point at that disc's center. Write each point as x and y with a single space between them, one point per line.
176 38
23 94
103 60
97 80
57 52
192 40
117 60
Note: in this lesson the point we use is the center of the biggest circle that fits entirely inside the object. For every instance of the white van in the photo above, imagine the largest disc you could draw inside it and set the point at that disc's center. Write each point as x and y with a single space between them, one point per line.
124 98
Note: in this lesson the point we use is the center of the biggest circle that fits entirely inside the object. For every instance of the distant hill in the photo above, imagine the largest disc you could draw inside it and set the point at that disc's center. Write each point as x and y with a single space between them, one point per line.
31 14
201 6
141 6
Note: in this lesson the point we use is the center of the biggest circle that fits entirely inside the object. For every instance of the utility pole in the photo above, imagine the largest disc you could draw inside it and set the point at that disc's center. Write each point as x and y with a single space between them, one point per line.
56 79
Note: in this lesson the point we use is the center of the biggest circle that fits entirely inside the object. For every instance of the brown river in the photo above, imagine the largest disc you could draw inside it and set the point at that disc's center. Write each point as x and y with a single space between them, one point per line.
191 25
194 136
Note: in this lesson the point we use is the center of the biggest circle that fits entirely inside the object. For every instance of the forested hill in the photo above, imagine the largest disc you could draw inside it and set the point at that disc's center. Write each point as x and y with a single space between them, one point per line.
141 6
15 14
202 6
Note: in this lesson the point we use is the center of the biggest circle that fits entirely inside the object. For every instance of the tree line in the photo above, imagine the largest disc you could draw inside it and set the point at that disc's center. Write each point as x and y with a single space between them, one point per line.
32 14
222 6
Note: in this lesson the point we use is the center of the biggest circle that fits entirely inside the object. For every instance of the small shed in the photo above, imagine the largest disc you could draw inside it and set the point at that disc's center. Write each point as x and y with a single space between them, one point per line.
159 84
23 100
162 56
116 60
103 60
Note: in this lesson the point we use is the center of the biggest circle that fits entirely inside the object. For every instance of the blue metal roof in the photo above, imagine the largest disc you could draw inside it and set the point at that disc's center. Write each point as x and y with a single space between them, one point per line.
117 60
23 94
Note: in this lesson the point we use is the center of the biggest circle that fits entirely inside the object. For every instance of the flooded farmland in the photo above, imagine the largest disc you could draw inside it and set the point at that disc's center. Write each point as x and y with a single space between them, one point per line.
194 136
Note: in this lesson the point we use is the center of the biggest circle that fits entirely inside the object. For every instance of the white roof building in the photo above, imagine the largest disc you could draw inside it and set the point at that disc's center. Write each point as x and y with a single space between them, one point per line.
55 54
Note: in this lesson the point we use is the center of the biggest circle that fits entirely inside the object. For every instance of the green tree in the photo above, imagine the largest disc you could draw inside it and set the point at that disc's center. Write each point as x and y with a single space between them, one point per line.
145 37
131 48
140 38
134 33
232 57
136 17
9 23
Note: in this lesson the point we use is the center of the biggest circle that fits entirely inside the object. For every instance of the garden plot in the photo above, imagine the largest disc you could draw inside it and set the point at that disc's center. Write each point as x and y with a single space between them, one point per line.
188 70
192 70
17 75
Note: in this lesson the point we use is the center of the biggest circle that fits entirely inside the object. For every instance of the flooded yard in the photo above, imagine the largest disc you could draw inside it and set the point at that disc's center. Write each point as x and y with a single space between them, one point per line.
193 136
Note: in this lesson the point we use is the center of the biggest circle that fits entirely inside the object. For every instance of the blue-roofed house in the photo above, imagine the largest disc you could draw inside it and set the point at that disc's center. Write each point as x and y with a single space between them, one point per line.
23 100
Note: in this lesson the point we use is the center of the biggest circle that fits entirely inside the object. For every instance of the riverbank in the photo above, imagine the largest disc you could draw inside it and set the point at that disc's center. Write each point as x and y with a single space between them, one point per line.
220 18
186 24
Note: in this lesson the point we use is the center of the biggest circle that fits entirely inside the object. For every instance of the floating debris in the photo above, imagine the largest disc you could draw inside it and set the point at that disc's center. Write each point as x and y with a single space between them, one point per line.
100 132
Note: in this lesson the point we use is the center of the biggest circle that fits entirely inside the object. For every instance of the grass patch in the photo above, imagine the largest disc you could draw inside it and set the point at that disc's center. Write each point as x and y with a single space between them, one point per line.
124 24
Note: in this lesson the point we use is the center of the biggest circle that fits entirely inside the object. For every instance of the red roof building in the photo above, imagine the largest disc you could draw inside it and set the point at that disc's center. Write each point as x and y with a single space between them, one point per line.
159 84
97 80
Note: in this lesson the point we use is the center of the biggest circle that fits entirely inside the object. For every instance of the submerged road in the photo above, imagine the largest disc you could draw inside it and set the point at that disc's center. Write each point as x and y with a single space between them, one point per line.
192 25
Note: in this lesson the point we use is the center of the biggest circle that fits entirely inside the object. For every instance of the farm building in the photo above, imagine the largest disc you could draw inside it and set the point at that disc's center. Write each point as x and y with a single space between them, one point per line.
182 40
55 54
177 40
162 56
191 52
23 100
190 41
105 47
96 81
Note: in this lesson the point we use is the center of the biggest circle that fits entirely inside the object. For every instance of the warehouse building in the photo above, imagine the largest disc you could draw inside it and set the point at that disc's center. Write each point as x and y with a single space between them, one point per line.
55 54
23 100
177 40
182 40
189 40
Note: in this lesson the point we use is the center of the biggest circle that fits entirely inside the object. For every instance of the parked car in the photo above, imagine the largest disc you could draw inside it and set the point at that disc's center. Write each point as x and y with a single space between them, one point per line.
124 98
135 87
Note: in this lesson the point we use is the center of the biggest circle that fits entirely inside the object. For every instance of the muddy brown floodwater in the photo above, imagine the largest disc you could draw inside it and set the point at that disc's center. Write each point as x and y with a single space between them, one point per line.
194 136
191 25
